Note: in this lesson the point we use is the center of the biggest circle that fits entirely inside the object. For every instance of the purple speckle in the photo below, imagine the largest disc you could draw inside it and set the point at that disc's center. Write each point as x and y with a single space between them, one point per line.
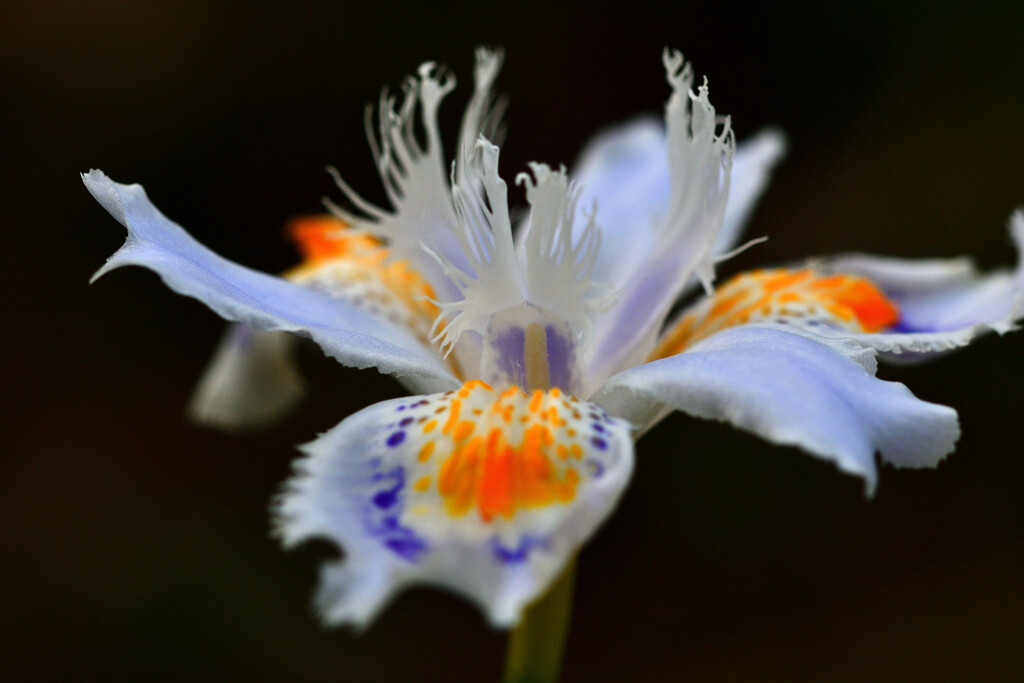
520 553
903 326
401 407
408 546
596 468
406 422
389 497
395 439
381 519
598 428
385 499
599 443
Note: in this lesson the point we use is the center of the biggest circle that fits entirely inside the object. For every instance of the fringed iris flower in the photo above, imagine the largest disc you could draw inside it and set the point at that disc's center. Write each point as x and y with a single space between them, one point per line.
539 350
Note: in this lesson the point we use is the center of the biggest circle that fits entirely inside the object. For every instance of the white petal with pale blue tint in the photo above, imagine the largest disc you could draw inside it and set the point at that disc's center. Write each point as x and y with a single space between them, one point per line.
943 304
251 381
795 391
262 301
487 494
624 172
700 148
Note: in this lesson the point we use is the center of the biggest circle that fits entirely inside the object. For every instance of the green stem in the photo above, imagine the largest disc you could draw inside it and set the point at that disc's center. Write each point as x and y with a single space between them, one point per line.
536 645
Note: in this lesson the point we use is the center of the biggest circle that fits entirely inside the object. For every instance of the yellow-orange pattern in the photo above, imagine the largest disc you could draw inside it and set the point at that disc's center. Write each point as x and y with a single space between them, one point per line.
499 453
850 302
355 266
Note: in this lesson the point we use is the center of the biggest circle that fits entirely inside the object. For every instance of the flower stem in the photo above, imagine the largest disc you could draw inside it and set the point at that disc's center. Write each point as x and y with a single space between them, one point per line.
536 645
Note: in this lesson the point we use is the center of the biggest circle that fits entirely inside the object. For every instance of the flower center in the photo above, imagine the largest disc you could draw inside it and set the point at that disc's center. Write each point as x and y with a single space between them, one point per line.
528 346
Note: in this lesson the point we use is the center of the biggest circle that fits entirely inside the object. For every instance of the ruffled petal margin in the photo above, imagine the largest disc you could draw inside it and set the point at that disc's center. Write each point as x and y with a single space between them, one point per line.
791 390
264 302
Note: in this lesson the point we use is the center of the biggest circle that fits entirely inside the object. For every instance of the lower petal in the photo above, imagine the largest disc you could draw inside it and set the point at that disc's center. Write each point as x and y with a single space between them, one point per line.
791 390
488 494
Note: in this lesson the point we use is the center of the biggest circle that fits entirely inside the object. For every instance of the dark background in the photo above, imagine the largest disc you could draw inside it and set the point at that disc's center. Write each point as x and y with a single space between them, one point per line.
135 545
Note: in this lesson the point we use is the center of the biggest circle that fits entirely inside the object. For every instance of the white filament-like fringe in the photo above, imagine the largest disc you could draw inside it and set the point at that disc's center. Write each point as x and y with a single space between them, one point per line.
548 269
413 171
558 271
484 232
732 253
483 115
700 149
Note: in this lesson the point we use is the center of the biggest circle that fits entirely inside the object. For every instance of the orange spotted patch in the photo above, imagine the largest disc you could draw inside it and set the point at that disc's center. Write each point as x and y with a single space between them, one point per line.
320 238
355 267
797 296
477 455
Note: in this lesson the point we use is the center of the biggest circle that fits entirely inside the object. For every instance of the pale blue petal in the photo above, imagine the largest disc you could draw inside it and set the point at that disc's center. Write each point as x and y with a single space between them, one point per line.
943 304
360 487
263 302
791 390
625 171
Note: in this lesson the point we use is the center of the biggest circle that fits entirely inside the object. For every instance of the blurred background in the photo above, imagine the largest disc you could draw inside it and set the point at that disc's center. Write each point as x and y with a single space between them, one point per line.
136 545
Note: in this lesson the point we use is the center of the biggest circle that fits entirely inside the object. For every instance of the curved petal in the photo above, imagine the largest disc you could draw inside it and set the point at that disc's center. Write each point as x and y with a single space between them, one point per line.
352 336
624 171
486 494
700 147
253 380
669 201
943 304
791 390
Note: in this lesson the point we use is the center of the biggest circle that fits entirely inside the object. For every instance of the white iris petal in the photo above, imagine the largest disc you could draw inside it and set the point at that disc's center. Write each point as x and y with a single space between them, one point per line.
489 490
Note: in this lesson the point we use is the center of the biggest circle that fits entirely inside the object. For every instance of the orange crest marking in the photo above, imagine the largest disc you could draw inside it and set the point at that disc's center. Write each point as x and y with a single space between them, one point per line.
354 266
802 296
498 454
320 238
